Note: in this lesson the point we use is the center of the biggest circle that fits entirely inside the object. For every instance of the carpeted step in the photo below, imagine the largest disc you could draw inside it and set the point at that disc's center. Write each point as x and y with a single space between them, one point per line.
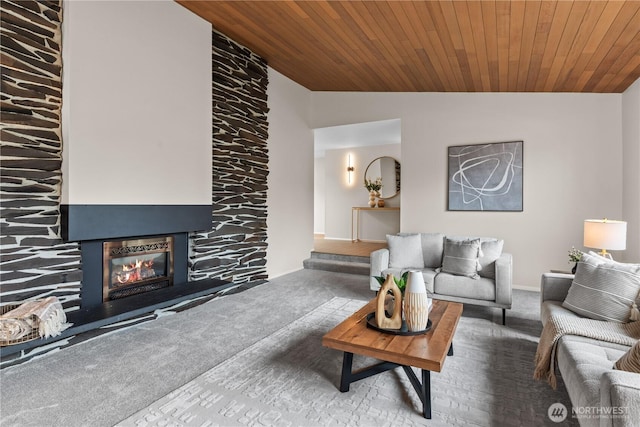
338 263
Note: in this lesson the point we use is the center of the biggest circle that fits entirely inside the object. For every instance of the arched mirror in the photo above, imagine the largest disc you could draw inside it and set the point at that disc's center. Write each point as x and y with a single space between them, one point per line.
388 169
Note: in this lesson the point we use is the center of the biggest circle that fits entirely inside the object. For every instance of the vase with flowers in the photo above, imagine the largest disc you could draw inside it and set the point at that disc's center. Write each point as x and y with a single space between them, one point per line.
575 256
374 188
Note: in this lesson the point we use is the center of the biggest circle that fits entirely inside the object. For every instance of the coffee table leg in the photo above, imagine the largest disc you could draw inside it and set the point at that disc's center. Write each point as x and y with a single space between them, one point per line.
426 392
450 353
423 388
345 379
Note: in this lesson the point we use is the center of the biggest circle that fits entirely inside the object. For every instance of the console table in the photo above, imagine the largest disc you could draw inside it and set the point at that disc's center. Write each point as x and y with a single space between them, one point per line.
356 224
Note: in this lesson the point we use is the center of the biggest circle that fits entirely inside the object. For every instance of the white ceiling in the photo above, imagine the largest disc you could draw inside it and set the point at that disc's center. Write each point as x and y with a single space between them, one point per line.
356 135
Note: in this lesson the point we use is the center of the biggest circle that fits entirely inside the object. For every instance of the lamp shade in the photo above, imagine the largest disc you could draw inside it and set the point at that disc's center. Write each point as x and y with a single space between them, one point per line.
605 234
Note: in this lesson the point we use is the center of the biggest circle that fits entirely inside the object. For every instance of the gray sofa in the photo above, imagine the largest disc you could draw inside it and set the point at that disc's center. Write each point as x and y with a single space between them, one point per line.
491 286
586 366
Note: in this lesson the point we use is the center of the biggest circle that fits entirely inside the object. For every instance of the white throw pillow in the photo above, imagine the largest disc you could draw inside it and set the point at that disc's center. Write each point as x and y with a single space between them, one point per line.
405 251
491 251
432 249
603 289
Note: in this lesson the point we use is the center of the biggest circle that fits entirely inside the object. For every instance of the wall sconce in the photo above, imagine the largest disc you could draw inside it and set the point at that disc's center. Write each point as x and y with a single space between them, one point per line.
605 234
350 169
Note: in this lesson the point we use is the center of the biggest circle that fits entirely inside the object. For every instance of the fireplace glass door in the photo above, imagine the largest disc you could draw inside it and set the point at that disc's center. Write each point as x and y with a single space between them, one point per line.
135 266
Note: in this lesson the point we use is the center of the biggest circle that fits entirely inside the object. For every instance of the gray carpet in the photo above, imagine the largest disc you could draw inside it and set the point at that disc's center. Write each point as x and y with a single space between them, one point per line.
106 380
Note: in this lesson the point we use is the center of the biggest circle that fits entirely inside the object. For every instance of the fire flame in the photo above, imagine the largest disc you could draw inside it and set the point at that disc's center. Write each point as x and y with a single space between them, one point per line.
133 271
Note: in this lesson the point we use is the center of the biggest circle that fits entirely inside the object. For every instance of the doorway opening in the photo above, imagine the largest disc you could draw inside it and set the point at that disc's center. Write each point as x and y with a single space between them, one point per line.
341 157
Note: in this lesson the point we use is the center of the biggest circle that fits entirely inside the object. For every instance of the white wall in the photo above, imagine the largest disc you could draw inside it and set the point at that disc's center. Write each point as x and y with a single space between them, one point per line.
136 117
631 164
290 193
340 197
318 195
572 163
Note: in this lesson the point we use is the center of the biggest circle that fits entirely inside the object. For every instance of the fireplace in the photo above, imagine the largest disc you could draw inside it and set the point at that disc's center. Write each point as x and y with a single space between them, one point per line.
114 238
132 267
119 268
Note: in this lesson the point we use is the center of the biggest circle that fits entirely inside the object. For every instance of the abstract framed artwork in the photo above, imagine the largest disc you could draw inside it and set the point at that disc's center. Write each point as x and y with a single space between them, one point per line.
485 177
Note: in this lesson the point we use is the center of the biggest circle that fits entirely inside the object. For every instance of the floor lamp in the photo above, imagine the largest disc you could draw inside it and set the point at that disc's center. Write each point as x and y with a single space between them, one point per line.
605 234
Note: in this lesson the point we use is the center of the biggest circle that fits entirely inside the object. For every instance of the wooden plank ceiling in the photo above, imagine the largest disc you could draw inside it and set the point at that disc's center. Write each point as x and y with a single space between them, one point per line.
439 46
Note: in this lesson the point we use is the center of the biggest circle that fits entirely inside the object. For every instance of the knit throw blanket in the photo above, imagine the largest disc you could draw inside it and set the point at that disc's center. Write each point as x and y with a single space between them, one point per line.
558 326
45 315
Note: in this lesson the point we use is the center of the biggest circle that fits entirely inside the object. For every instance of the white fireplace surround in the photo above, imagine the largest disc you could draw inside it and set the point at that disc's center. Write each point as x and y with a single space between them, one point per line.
133 93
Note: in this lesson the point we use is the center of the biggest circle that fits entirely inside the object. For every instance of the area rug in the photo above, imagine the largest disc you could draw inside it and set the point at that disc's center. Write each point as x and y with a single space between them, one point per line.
289 379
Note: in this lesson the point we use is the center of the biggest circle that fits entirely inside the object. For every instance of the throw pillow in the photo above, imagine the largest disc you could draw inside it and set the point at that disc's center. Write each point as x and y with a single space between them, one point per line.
405 251
491 251
630 361
432 247
461 257
603 290
622 265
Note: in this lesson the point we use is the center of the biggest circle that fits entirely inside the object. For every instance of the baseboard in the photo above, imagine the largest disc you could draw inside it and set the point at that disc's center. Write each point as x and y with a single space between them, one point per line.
526 288
284 274
349 240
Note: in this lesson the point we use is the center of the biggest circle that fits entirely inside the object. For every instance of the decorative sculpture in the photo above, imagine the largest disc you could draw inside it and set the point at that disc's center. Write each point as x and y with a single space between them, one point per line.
416 304
395 321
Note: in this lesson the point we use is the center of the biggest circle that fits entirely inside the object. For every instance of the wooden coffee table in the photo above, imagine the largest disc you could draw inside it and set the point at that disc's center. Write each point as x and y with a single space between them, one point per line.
427 351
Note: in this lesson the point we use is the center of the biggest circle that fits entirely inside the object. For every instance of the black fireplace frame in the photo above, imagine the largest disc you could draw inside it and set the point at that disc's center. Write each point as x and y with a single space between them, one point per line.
92 265
95 222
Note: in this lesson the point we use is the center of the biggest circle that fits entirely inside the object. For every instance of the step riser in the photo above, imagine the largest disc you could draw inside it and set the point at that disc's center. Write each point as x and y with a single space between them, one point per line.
339 267
338 257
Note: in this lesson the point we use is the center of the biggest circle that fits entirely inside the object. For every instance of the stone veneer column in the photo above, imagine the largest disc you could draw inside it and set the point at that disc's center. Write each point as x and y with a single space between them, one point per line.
35 261
235 249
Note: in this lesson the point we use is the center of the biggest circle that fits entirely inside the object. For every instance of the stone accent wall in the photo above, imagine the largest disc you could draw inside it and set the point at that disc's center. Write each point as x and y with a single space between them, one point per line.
35 261
235 249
